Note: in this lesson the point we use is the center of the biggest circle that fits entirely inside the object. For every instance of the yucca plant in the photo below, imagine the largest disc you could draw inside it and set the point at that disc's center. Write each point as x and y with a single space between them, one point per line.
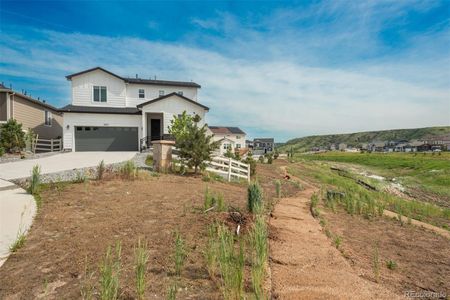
141 256
100 170
254 197
35 180
110 269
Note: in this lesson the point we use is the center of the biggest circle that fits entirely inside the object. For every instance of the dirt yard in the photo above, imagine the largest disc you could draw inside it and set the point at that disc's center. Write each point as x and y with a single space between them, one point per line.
422 257
77 224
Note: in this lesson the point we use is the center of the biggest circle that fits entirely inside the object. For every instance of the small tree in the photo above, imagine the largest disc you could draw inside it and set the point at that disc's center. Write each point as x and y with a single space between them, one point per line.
193 142
12 137
229 153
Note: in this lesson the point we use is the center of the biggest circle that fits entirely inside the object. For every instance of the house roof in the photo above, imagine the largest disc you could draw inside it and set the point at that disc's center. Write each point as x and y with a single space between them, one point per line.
170 95
101 110
225 130
138 80
264 140
226 139
28 98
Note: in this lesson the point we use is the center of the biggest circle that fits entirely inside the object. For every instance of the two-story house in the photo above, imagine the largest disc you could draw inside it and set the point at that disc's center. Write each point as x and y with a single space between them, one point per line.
263 145
42 118
113 113
232 138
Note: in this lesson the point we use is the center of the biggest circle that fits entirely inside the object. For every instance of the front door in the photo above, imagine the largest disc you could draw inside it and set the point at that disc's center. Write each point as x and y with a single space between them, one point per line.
155 129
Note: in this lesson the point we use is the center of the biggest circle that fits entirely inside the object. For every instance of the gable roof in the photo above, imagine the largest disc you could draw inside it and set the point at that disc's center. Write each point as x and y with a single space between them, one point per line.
225 130
101 110
28 98
138 80
264 140
170 95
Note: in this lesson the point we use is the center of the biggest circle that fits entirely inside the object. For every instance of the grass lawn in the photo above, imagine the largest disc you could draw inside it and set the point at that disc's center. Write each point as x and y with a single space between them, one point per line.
423 173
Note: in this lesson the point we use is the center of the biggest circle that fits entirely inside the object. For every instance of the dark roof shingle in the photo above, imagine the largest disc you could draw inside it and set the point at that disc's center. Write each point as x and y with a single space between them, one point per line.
101 110
225 130
138 80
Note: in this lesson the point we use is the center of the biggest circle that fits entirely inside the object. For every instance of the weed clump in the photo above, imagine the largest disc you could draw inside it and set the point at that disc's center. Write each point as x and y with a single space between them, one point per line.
128 170
100 170
141 256
35 180
110 269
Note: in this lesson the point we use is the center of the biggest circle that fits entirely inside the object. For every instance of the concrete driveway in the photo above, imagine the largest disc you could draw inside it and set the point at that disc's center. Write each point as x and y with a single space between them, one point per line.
18 208
61 162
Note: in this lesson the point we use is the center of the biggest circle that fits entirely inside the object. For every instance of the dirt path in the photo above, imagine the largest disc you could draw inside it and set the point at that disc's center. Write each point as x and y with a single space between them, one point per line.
304 264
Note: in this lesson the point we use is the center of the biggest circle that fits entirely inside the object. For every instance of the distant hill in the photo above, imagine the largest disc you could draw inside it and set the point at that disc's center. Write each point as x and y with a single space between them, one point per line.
353 139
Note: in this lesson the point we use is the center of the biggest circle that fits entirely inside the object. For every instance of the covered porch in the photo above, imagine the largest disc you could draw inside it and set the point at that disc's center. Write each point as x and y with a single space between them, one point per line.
154 127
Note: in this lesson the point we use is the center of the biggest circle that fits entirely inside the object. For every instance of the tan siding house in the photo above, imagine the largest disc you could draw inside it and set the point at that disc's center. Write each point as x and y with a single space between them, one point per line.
44 119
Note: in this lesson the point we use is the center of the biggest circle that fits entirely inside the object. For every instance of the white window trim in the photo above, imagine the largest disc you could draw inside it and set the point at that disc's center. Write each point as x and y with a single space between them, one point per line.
51 118
99 102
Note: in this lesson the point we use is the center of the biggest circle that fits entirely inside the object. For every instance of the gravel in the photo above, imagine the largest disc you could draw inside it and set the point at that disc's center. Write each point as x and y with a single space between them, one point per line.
7 157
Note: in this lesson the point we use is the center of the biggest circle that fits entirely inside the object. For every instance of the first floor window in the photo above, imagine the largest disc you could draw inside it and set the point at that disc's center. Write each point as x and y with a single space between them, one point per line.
226 146
141 93
48 118
99 93
238 146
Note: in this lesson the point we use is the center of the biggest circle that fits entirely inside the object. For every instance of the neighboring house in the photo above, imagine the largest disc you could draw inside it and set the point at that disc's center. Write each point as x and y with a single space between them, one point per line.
232 138
263 145
113 113
249 144
42 118
441 142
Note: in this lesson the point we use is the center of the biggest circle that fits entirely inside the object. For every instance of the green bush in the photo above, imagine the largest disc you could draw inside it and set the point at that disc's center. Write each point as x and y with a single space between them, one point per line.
12 137
254 197
2 151
278 188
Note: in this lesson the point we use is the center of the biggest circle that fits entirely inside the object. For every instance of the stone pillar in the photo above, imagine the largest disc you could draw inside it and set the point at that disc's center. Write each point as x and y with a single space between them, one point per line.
162 155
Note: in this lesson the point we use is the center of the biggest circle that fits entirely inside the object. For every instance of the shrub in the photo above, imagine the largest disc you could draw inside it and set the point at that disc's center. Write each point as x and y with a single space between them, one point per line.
391 265
149 160
110 269
172 291
12 137
128 170
80 178
313 206
100 170
337 241
211 252
249 160
179 254
261 159
278 188
2 151
254 197
141 255
35 180
269 158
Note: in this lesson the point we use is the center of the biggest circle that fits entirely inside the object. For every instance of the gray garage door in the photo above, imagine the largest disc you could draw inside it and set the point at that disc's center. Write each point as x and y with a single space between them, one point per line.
106 138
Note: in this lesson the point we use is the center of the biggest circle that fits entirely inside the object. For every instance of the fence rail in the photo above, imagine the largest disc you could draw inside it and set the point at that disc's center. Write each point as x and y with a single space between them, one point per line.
229 167
44 145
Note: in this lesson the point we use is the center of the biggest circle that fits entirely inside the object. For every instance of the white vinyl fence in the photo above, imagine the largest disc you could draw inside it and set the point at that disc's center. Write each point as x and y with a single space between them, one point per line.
229 167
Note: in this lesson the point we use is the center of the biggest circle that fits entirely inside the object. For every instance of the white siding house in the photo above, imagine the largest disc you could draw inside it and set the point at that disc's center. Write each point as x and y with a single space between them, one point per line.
231 138
113 113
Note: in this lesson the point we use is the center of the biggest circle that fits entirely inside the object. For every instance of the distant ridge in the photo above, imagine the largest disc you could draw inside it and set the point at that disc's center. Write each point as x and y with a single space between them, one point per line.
353 139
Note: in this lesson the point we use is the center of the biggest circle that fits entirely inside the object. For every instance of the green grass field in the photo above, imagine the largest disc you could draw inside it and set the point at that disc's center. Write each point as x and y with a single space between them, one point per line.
428 173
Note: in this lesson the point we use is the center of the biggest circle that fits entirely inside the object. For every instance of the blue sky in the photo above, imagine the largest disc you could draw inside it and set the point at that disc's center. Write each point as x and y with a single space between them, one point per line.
273 68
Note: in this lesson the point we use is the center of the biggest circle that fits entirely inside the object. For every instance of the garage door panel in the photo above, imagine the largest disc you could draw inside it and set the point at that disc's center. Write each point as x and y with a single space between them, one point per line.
106 138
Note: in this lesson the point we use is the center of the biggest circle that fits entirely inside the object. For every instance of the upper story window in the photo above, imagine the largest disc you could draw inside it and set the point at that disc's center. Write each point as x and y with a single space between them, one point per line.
141 93
48 118
161 93
238 137
99 93
180 93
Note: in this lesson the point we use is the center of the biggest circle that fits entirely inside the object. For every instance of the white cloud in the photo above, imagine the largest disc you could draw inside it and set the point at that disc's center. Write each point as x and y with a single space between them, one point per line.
271 83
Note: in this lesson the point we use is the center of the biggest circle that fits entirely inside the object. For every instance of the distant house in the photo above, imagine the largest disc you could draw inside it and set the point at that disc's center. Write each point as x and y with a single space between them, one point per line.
342 146
232 138
376 146
263 145
441 142
42 118
333 147
249 144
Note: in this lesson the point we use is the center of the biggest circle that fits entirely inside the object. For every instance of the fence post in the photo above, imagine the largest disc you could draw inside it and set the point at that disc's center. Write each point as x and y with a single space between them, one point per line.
248 172
51 145
229 169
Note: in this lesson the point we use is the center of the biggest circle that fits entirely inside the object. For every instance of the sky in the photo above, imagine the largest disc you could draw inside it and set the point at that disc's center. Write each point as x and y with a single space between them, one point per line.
273 68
